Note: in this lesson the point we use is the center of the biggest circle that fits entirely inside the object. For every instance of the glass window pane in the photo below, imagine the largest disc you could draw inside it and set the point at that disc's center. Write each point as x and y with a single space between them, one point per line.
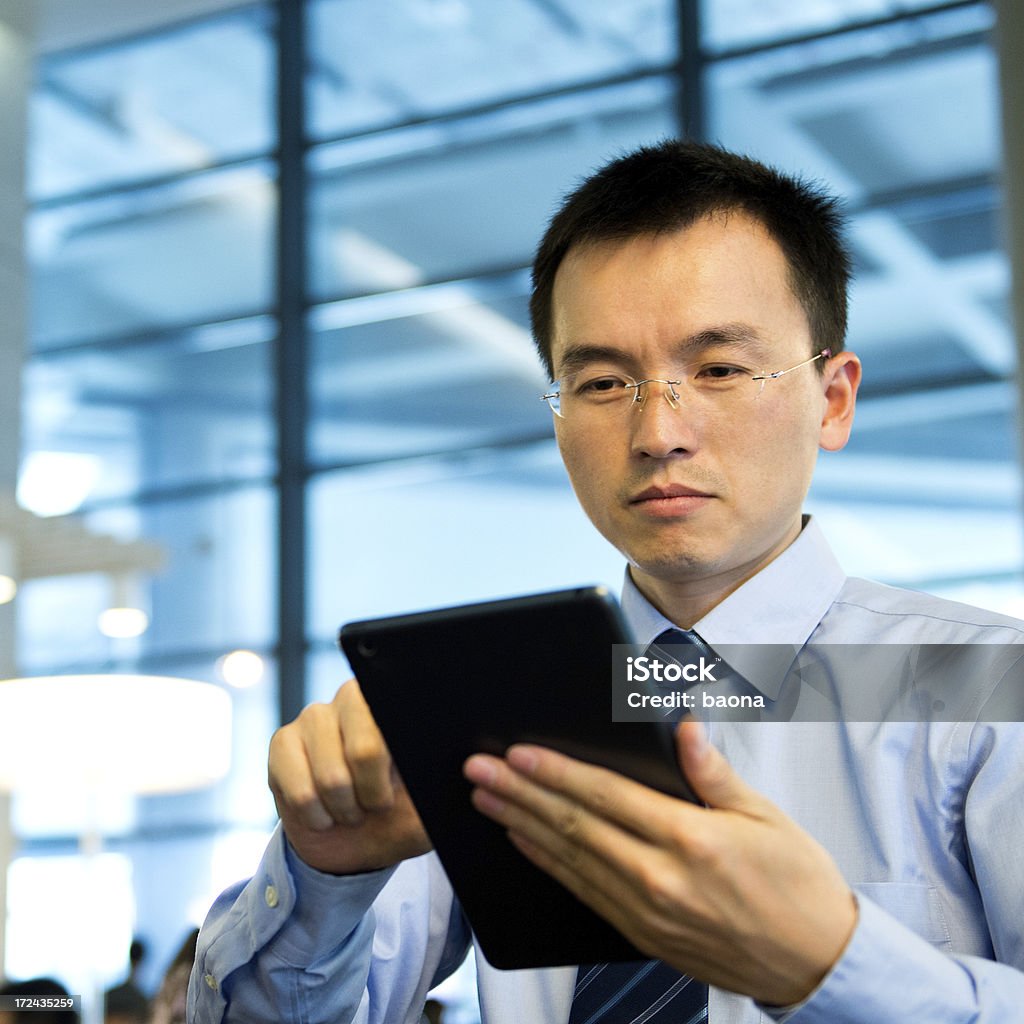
176 101
918 540
438 369
454 54
903 120
159 888
728 24
178 255
424 534
242 799
214 593
92 899
930 300
455 199
872 112
184 408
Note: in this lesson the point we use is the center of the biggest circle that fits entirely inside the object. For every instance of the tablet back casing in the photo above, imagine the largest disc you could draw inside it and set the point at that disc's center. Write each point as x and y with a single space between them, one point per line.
446 684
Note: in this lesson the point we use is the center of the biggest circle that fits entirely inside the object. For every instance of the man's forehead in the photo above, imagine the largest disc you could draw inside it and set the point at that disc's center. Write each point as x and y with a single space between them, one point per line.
715 258
737 240
736 222
736 244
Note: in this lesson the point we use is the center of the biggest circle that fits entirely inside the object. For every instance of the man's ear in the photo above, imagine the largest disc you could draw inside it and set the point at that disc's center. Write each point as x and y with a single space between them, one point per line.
841 380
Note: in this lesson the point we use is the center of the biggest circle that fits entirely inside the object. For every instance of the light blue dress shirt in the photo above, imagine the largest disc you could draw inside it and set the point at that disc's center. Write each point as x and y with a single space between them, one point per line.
925 820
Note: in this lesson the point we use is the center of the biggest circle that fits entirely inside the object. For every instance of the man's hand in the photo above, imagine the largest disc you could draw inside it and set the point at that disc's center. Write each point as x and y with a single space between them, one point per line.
735 893
342 804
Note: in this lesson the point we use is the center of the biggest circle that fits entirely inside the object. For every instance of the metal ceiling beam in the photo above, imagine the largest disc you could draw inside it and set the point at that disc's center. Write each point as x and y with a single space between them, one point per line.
291 357
691 105
1009 38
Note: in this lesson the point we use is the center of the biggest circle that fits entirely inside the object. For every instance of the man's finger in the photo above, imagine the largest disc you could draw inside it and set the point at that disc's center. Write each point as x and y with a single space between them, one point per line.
650 814
592 857
599 829
331 774
366 754
712 777
291 781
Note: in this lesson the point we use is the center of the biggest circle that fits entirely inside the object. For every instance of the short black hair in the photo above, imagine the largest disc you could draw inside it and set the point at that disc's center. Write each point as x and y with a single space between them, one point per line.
669 186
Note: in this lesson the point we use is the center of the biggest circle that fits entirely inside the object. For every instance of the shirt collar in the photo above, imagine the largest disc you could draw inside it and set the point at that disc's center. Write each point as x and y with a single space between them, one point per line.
781 606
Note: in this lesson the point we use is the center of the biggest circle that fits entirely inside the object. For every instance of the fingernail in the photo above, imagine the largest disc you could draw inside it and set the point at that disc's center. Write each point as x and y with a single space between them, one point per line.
480 770
486 802
522 758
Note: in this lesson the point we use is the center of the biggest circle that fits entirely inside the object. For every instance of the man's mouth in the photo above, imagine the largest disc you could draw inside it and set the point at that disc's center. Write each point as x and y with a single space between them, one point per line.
668 491
670 500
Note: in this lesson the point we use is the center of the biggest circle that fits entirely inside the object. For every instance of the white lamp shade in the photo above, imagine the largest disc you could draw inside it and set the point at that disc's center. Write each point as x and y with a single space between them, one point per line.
112 733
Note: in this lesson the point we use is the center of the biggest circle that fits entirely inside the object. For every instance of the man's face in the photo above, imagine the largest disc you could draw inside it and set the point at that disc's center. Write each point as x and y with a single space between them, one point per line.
705 494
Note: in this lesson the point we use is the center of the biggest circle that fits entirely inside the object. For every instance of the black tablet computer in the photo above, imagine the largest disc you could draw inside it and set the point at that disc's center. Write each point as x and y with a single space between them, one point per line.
477 678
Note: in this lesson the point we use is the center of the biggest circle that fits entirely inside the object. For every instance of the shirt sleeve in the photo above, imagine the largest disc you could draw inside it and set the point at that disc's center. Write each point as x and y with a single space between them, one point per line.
295 944
888 972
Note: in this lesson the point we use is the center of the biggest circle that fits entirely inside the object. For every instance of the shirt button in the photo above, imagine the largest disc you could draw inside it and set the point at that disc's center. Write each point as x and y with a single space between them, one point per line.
270 895
211 981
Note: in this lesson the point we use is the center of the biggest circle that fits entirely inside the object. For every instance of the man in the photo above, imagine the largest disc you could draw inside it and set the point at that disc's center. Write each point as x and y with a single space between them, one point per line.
127 1003
690 306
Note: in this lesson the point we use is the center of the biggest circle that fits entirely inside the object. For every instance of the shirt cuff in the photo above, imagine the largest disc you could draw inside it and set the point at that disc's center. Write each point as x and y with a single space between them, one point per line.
326 909
886 972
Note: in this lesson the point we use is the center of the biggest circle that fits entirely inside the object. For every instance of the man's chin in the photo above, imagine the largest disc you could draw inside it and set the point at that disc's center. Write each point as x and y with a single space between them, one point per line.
679 567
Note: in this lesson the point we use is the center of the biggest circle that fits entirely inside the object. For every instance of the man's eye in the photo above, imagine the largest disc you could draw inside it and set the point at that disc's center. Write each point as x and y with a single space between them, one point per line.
719 372
600 387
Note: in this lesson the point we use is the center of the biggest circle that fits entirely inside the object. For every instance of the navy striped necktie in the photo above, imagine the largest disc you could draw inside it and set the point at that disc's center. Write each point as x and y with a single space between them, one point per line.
644 991
641 992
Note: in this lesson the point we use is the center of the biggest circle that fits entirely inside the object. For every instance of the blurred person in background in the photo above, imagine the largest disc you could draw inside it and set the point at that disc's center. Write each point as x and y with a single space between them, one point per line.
127 1003
169 1002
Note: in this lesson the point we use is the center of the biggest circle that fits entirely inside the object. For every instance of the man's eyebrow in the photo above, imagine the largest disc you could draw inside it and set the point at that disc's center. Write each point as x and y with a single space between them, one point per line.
735 335
577 356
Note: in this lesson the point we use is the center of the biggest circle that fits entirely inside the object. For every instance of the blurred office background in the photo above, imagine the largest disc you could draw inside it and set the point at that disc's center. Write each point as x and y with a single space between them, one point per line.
274 310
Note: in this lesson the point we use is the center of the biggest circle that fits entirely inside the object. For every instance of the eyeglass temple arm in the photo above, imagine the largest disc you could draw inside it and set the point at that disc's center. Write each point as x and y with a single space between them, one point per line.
825 353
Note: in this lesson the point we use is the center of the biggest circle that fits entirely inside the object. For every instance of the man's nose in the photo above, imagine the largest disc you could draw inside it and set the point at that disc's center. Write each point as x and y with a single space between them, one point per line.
662 422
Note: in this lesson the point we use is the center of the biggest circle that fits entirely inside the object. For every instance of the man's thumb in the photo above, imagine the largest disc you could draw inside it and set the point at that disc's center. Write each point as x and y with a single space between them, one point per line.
710 775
